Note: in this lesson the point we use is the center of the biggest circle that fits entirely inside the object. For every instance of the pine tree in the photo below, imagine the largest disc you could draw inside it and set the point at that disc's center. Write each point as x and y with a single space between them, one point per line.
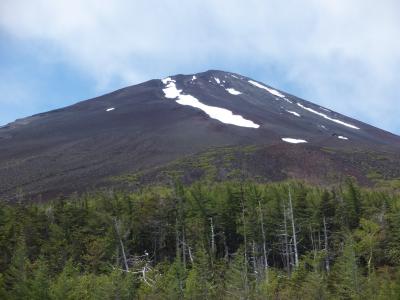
199 281
62 288
17 275
393 233
237 285
171 284
347 279
40 281
367 237
352 198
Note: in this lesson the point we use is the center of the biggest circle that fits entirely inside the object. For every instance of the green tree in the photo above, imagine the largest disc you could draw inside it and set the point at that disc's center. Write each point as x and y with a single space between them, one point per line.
352 204
39 281
237 281
367 239
17 275
393 233
65 283
346 276
199 281
171 285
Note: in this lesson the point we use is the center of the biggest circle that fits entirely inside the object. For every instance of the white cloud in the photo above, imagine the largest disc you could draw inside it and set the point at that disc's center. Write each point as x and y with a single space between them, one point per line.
342 54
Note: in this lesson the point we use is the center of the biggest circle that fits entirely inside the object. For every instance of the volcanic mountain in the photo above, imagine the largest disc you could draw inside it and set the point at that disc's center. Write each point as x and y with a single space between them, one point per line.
161 127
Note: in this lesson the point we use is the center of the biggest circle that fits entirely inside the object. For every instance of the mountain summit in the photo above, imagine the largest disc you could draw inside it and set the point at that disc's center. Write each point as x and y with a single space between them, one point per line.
151 125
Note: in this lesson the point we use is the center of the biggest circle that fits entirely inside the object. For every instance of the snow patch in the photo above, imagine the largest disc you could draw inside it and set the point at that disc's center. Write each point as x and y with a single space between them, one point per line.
342 137
110 109
170 90
287 100
233 91
217 80
293 113
221 114
167 80
294 141
326 117
194 77
272 91
234 76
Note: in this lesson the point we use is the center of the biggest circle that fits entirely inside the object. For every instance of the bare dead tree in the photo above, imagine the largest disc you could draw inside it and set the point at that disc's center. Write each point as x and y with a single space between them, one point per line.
296 254
141 265
327 266
254 261
212 236
117 230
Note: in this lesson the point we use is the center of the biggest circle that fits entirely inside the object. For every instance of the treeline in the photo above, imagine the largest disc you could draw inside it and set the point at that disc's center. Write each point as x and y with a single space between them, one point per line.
232 240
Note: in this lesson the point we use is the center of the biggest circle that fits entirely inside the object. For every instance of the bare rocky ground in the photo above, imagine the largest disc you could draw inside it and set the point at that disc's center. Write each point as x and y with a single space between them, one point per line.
142 134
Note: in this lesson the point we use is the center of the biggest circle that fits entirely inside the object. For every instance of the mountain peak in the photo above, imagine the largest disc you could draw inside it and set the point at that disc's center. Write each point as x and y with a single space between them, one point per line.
154 123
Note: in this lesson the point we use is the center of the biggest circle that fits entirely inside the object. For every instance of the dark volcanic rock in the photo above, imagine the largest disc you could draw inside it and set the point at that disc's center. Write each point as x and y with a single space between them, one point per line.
138 128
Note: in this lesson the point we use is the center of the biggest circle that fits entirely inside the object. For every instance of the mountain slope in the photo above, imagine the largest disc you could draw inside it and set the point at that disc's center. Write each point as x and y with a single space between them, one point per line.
151 124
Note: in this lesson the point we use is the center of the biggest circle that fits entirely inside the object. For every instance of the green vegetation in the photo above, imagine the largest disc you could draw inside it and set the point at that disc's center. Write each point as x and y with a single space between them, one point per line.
393 184
214 164
229 240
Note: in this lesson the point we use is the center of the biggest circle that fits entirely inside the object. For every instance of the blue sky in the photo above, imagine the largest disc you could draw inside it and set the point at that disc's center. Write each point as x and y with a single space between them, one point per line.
341 54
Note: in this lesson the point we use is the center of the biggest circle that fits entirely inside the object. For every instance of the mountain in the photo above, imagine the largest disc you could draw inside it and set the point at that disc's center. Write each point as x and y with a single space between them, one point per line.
166 126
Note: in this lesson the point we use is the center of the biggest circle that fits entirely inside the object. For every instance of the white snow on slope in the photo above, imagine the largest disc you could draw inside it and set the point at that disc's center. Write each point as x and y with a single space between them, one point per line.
272 91
342 137
326 117
293 113
287 100
110 109
233 91
234 76
221 114
217 80
293 141
194 78
170 90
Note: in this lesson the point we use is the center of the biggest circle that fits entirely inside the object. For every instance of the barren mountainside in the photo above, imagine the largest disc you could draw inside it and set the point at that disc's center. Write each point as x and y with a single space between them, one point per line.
214 124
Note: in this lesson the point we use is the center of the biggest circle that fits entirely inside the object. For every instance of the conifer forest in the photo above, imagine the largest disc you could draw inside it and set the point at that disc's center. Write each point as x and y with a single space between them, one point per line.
227 240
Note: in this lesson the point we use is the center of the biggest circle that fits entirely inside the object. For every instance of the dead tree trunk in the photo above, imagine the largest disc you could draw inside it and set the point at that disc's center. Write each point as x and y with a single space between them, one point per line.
296 254
121 244
190 254
212 237
326 247
254 260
